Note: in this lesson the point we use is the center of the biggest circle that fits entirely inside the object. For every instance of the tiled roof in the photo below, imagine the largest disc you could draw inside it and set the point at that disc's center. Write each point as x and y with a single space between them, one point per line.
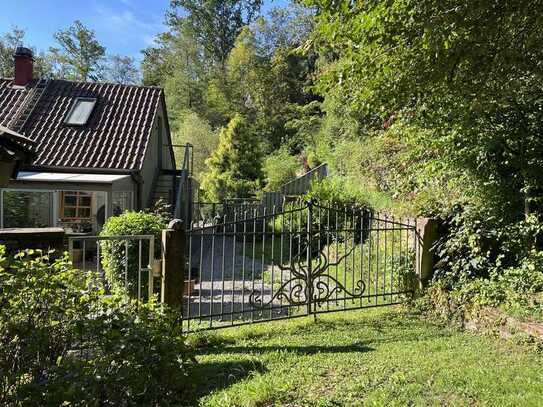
13 146
115 137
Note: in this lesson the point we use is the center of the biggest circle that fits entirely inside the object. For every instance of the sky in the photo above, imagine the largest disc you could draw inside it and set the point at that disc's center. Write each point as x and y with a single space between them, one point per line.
123 26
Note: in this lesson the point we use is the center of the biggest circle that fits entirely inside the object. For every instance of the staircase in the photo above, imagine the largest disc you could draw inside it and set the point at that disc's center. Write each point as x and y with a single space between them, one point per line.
175 186
164 189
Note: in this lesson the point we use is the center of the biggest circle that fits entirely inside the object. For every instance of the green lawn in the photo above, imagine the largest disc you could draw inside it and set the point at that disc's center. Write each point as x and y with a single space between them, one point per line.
383 357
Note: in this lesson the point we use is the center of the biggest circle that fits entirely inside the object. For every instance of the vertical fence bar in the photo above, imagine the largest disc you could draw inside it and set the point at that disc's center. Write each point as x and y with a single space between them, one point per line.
272 258
309 284
223 255
139 269
377 263
233 298
345 248
253 263
336 234
126 264
151 261
189 291
212 271
353 227
362 253
243 264
282 231
262 271
385 257
392 260
328 252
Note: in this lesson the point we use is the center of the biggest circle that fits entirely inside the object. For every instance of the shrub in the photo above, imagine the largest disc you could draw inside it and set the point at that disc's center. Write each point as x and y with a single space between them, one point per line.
280 168
114 256
338 192
348 210
235 167
63 342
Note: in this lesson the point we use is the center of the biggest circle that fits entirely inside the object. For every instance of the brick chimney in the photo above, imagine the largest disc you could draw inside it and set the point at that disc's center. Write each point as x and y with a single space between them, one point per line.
24 66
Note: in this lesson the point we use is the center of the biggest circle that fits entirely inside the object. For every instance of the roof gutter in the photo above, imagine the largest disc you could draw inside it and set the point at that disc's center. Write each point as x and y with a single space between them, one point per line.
82 170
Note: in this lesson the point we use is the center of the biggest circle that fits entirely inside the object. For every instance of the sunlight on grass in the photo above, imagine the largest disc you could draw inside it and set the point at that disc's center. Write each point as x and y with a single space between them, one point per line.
372 357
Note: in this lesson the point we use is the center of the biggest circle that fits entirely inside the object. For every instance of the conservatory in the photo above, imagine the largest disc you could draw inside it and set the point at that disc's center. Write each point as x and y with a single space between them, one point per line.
77 202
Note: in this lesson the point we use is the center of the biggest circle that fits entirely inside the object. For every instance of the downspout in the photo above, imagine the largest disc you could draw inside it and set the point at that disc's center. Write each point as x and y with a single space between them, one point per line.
138 179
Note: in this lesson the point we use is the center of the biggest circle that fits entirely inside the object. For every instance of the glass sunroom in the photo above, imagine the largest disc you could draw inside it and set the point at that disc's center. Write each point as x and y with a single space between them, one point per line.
79 203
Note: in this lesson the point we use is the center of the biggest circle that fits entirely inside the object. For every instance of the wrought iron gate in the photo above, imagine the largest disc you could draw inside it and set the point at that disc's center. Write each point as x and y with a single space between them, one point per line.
305 258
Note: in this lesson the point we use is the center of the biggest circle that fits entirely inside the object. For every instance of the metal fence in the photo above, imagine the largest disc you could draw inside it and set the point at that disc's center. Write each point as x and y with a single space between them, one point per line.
207 213
119 261
300 259
302 184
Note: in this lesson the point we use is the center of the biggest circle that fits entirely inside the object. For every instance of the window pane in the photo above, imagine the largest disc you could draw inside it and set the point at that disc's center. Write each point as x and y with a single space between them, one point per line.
81 111
70 200
84 213
85 201
122 201
69 212
27 209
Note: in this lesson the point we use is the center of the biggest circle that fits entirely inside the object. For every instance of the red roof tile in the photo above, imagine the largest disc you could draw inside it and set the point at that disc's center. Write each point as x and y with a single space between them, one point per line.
115 137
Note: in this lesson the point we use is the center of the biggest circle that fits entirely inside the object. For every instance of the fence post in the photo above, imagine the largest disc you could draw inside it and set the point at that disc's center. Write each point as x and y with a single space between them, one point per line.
427 234
173 264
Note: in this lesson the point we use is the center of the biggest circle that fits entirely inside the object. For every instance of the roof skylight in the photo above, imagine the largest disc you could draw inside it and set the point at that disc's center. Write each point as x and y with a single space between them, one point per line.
80 112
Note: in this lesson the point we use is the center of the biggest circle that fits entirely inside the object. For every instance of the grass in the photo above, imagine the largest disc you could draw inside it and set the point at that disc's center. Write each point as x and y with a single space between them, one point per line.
381 357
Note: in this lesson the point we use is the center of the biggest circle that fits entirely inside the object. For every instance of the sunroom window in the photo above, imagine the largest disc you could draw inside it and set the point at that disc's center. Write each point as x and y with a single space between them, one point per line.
76 205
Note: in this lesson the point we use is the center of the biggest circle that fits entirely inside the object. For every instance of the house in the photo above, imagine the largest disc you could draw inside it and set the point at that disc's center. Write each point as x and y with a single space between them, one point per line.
99 149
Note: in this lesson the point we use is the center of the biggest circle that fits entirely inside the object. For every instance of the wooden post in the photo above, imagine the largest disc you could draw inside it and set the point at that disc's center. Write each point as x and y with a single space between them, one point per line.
428 234
173 264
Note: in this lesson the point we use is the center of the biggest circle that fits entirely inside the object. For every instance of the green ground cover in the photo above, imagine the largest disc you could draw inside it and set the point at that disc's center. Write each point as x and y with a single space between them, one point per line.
383 356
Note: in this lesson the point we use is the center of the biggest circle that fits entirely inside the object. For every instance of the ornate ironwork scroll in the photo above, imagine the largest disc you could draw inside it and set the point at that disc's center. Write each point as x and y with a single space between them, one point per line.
309 284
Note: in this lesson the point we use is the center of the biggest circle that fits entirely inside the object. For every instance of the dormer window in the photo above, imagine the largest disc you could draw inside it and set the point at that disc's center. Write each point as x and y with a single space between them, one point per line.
80 112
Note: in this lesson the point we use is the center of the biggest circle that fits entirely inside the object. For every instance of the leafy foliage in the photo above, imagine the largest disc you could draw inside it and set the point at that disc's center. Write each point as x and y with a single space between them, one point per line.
235 166
79 55
9 42
197 131
434 103
63 342
116 261
216 23
280 168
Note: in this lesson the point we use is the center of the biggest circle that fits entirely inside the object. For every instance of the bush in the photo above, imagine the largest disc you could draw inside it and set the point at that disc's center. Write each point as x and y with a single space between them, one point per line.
114 257
280 168
63 342
349 210
235 167
338 192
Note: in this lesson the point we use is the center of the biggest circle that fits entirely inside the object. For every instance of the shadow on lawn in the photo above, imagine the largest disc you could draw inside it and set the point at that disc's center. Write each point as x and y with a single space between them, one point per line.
207 377
299 350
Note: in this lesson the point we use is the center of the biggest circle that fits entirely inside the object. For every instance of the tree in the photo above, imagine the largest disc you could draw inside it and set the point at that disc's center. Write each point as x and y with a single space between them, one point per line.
470 71
197 131
8 44
121 69
234 168
216 23
175 63
79 55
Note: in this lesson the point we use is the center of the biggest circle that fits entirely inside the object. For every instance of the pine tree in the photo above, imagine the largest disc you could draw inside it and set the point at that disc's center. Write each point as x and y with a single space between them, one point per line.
235 166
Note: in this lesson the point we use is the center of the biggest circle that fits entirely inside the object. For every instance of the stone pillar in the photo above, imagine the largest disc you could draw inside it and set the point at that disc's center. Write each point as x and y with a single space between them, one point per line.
428 234
173 264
